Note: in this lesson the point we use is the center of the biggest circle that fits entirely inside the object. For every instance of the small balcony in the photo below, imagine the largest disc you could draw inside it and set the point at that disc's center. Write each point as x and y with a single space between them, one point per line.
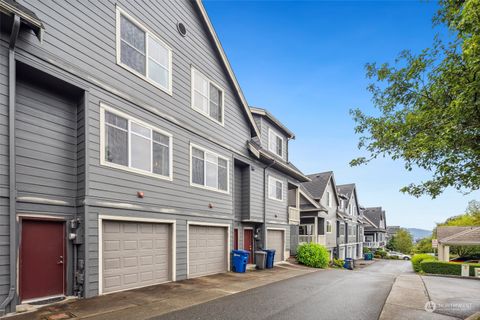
320 239
293 215
374 244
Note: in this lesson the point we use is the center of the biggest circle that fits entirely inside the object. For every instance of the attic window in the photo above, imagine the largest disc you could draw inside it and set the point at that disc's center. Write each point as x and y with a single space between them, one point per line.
275 143
143 53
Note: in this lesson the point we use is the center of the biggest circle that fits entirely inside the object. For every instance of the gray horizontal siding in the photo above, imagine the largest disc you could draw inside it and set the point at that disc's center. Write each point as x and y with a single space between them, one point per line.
277 210
45 135
266 126
74 26
121 185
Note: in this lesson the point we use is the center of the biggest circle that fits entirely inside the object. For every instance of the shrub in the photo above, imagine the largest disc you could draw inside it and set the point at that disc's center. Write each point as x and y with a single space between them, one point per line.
380 253
418 258
450 268
313 255
366 250
337 263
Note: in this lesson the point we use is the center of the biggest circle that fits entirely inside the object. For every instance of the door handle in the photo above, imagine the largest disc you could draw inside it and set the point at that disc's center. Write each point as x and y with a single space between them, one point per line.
61 260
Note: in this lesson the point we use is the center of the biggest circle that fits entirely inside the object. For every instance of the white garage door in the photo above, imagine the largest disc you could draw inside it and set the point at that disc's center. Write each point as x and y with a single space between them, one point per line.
207 250
275 240
135 254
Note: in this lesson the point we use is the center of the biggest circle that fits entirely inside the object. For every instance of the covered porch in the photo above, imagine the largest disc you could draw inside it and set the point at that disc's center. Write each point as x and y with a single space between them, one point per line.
312 228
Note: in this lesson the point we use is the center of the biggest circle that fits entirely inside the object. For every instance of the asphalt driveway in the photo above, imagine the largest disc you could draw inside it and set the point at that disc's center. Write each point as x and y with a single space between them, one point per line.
329 294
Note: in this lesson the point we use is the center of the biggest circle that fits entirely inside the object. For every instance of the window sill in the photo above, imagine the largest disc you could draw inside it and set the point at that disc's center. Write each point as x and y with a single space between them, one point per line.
199 186
136 171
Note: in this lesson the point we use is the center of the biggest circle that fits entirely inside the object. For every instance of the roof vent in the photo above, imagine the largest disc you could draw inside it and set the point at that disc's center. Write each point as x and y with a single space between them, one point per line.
182 29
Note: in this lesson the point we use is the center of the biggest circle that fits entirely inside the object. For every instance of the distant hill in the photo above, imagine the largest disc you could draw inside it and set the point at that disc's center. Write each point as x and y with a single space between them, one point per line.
419 233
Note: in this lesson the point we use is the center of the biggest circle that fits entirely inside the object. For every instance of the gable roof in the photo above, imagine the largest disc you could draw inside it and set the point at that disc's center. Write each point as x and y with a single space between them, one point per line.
319 183
347 190
264 113
227 66
374 215
458 235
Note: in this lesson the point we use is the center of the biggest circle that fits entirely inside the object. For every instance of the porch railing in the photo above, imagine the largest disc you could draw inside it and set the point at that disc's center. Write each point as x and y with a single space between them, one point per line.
311 238
374 244
293 215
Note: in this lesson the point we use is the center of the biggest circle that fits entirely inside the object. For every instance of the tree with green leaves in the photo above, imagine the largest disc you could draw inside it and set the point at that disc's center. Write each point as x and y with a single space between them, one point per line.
402 241
429 105
423 245
471 217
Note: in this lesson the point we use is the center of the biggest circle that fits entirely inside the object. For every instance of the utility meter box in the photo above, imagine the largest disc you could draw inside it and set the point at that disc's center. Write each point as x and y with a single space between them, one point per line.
465 270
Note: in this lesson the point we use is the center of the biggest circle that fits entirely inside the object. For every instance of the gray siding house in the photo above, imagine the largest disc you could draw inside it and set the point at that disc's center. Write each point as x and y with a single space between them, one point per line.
350 239
322 189
376 228
128 154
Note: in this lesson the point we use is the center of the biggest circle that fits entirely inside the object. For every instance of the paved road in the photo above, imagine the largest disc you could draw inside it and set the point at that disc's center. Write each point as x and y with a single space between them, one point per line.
327 294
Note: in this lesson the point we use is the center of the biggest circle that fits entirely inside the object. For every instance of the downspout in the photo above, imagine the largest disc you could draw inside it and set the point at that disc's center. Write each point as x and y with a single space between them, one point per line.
265 186
12 173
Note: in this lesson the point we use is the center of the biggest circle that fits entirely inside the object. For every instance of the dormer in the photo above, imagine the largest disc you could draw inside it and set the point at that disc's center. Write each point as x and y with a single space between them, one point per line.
274 135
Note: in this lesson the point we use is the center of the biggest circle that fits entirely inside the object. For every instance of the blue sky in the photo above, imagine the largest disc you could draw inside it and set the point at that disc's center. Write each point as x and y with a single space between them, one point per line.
304 61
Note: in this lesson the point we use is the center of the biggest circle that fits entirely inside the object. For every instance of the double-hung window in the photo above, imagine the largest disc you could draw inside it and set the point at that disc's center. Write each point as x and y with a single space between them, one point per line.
329 226
275 143
207 97
329 199
143 53
275 189
130 144
342 229
209 170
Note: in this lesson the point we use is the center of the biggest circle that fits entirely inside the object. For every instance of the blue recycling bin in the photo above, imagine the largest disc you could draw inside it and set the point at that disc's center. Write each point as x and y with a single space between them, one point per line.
239 260
348 264
368 256
270 257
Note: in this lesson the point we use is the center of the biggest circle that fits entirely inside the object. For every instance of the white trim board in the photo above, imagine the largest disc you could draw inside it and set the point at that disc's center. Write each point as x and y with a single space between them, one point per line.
102 217
207 224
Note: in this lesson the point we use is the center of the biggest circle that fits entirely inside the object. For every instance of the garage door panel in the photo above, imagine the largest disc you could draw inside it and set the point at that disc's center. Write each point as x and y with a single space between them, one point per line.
134 255
207 250
275 240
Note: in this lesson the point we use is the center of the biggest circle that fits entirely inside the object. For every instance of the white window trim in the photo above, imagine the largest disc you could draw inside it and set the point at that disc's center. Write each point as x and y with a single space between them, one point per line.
192 145
103 162
328 223
148 33
192 91
270 132
271 178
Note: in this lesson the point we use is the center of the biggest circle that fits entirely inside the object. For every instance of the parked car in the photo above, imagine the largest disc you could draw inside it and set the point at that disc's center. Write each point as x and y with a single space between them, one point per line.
465 260
399 255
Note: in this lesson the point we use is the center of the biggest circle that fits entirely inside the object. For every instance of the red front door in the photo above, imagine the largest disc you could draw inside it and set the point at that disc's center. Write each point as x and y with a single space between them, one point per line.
248 243
42 259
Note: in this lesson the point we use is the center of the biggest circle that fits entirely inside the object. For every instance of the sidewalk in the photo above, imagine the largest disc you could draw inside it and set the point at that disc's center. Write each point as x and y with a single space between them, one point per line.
152 301
407 300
